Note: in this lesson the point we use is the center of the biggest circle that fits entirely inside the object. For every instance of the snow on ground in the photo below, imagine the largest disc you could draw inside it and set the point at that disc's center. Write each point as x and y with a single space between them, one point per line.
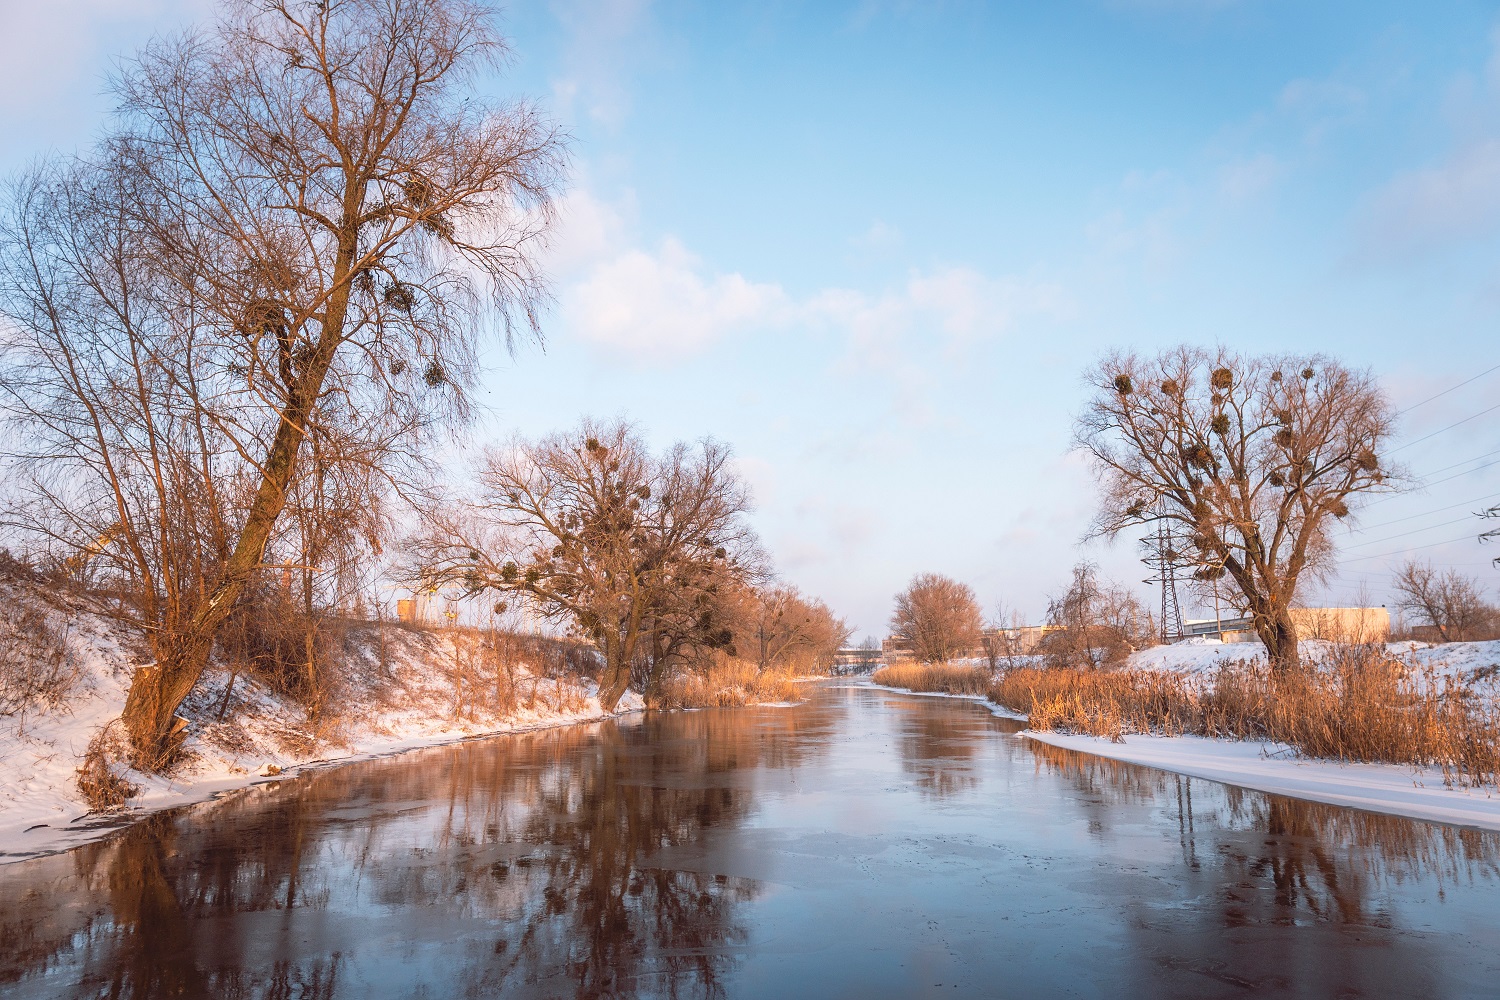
1418 793
1469 661
401 694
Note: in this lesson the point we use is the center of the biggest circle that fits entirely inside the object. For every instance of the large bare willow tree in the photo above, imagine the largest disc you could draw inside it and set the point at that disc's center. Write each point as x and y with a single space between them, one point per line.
1251 458
310 216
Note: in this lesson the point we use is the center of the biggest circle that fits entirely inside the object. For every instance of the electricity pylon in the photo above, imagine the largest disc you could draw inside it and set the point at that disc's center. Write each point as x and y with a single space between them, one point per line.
1164 556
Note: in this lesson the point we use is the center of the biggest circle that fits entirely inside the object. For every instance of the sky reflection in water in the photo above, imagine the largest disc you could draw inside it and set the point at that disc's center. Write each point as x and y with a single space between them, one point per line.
866 844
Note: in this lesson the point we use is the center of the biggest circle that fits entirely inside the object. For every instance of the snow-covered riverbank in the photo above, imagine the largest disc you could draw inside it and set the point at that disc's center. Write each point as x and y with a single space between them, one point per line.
1418 793
403 689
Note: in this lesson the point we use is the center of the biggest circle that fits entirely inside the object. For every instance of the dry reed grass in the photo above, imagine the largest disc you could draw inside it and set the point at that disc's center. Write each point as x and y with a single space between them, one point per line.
727 683
99 776
1359 704
938 677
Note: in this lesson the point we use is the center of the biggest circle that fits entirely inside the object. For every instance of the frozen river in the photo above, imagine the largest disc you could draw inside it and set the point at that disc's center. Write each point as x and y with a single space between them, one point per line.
865 844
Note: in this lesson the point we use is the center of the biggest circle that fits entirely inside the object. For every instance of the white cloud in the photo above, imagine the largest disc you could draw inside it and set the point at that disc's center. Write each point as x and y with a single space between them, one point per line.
879 238
604 38
667 304
588 230
662 304
1454 200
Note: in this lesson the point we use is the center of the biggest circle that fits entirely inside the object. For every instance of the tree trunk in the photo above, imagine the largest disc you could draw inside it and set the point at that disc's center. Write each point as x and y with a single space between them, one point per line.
150 714
1279 635
616 679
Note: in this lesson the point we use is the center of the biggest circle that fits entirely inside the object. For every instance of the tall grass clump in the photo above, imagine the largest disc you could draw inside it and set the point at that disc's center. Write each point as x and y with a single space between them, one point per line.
1359 704
725 682
937 677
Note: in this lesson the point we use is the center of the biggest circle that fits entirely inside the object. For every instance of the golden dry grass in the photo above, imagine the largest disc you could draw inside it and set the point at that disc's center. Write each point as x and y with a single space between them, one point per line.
99 779
725 684
1359 704
939 677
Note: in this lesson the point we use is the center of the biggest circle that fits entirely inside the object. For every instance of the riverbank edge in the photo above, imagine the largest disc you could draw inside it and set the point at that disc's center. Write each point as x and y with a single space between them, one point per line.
45 839
999 711
1390 789
41 840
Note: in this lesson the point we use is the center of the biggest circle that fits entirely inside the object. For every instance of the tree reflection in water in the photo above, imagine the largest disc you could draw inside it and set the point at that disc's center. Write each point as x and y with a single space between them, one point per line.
524 861
612 861
1283 860
940 744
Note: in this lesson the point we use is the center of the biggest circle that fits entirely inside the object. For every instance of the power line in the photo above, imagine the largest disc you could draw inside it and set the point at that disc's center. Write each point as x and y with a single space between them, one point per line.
1439 482
1464 462
1445 392
1414 531
1359 529
1441 430
1409 548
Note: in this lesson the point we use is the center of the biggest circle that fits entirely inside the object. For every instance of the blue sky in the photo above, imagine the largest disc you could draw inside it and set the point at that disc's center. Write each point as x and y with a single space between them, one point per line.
872 245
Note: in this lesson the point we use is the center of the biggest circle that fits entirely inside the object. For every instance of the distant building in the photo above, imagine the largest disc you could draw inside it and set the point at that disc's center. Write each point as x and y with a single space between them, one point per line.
1019 641
1334 624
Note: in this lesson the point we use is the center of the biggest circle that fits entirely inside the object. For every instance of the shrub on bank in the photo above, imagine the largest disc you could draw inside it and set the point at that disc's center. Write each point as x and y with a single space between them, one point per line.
1359 704
942 677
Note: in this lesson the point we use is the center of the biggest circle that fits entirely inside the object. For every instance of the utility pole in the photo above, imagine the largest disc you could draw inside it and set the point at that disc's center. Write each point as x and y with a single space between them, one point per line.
1163 556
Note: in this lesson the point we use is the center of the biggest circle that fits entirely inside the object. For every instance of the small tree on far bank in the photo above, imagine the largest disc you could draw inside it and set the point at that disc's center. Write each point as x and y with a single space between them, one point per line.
1099 623
1252 458
937 617
1449 602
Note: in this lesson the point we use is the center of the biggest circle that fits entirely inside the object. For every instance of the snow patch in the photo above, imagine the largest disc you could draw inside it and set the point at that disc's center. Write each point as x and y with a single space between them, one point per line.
1417 793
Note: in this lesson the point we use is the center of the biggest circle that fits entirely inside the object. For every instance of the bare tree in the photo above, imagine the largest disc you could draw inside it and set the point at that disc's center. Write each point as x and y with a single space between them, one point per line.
1003 636
607 538
792 632
1450 602
937 617
312 198
1099 623
1254 456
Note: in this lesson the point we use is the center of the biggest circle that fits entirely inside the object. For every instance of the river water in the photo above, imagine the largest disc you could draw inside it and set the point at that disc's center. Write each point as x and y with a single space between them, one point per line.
864 844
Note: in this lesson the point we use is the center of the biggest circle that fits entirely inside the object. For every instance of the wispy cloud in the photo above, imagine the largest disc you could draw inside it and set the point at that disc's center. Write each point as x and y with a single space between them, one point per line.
1454 200
605 39
49 49
1451 202
662 304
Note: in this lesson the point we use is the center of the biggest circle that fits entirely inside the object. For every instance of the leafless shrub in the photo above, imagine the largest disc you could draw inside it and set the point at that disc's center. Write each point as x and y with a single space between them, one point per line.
727 682
37 667
1097 623
100 777
296 651
484 675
